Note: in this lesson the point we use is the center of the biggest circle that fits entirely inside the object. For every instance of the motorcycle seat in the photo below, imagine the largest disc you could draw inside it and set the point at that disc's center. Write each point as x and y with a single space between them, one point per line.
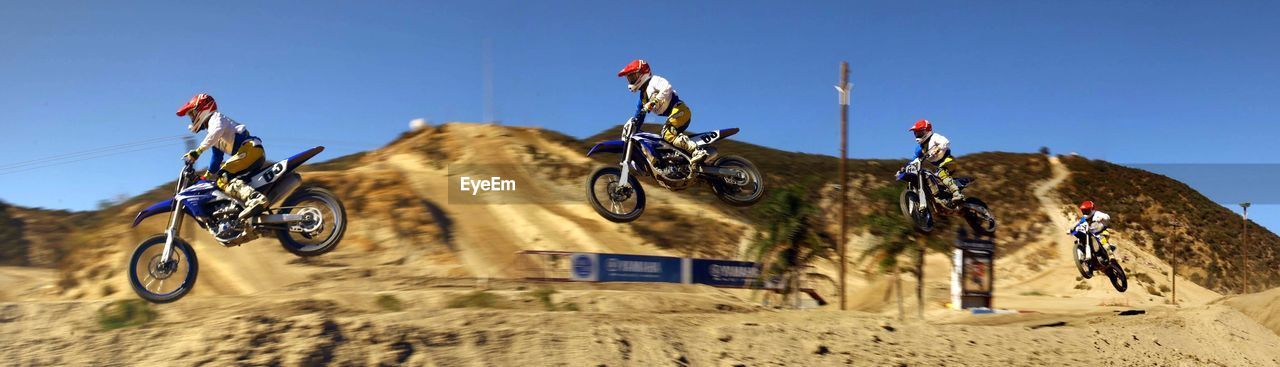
964 181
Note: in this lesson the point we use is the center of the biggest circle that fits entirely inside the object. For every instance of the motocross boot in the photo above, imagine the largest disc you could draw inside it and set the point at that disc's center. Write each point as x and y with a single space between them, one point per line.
697 153
254 201
954 189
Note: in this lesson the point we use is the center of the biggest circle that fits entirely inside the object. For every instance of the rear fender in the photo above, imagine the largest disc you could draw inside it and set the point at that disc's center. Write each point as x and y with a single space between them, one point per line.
712 136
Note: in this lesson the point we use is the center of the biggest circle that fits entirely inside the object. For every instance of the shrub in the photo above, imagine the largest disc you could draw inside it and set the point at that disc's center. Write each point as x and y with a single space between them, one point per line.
389 303
125 313
544 295
477 299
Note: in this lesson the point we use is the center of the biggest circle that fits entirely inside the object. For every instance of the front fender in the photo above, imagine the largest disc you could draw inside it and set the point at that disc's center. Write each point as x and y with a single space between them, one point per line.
612 146
160 207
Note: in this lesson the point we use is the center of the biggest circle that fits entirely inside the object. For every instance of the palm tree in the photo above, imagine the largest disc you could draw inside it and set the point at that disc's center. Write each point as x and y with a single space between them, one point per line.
897 237
792 238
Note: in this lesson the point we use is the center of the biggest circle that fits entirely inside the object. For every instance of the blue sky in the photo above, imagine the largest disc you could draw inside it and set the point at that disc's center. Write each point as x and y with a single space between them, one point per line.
1130 82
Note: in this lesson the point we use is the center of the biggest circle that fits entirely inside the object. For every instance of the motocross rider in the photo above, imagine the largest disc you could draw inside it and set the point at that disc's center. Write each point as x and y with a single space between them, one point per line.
936 149
1097 221
658 97
225 137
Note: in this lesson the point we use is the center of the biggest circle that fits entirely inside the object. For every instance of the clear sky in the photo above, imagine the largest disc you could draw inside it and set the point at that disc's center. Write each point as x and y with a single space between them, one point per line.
1130 82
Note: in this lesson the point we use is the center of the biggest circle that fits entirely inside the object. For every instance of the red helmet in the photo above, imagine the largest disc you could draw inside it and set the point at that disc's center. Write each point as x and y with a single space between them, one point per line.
923 129
200 103
1086 207
637 73
922 125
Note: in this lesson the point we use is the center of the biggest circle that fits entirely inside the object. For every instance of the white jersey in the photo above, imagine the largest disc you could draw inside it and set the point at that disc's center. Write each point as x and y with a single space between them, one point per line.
660 93
1099 217
1097 221
222 133
936 148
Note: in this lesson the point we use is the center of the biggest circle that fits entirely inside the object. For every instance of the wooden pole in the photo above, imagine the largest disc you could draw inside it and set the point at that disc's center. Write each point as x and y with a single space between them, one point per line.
1244 246
1173 270
844 174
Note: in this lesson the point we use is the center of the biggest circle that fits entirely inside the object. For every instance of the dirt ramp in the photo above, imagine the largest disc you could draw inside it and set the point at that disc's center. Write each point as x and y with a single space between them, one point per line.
1263 307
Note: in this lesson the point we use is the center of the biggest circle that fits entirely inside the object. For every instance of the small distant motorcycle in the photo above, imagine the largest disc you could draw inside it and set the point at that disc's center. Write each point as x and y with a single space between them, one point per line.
308 221
1088 259
919 202
616 194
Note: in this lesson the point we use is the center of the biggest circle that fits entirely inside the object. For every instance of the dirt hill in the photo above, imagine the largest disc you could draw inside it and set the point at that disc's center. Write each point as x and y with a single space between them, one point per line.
399 200
416 238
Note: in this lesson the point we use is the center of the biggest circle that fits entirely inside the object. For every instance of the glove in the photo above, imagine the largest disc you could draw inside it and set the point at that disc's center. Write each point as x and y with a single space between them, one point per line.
191 156
648 106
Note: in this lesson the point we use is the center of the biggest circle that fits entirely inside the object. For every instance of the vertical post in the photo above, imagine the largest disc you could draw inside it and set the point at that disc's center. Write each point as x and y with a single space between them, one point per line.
1244 246
843 88
1173 259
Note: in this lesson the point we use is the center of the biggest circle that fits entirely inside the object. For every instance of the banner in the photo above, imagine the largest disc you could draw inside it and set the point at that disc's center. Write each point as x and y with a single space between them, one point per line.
625 268
725 273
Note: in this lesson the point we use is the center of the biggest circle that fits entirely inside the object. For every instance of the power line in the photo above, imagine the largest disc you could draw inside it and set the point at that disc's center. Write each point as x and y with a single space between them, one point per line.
57 163
88 154
94 151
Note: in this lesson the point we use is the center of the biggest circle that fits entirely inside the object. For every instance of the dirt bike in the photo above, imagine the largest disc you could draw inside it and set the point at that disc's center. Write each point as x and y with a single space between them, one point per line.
921 199
1088 260
733 179
308 221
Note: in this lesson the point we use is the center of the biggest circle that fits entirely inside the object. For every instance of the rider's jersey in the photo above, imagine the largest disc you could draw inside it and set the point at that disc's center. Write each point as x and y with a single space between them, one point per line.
658 90
1097 221
934 150
224 137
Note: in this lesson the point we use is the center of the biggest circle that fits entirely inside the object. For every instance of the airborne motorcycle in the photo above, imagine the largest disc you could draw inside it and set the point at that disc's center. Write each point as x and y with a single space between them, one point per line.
733 179
920 200
308 221
1088 259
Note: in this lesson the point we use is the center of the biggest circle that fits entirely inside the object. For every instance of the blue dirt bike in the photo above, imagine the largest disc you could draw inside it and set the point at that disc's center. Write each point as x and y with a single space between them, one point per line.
1090 255
616 194
922 198
308 221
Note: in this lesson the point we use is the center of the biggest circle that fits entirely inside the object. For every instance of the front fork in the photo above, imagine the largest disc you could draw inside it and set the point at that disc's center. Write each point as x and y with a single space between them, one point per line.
171 234
920 192
626 165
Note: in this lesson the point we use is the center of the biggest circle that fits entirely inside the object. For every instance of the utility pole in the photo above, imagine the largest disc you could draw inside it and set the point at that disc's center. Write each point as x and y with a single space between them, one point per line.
1173 258
1244 245
843 89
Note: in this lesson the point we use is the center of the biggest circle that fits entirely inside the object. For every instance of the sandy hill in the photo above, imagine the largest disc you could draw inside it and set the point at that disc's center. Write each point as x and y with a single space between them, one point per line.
403 212
414 238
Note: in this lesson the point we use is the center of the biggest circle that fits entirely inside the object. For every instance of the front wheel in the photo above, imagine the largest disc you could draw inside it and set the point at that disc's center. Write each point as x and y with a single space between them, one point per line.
916 211
745 188
1082 262
1118 277
162 281
323 225
619 204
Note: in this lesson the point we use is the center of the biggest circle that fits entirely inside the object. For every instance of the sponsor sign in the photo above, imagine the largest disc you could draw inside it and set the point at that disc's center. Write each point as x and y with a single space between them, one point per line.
637 268
583 267
725 273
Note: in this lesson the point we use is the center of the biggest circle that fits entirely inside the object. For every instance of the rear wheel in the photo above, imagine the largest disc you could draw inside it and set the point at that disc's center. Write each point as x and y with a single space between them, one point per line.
979 216
743 189
324 224
162 281
1118 277
613 201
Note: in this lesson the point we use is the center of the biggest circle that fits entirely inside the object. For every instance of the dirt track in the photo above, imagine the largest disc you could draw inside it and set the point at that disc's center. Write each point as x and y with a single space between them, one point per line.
335 321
